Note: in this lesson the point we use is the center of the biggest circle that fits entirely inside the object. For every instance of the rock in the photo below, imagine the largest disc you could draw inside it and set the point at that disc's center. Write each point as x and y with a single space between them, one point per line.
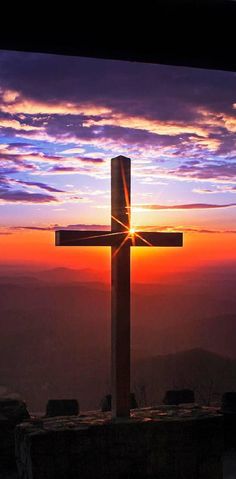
133 402
151 444
228 402
106 402
62 407
228 408
179 396
12 412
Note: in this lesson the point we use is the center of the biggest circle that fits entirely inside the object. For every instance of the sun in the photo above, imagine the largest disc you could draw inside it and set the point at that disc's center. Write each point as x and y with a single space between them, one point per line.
132 231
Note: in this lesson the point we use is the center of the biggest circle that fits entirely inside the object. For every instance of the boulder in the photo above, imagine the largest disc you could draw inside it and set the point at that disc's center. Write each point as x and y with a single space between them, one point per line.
62 407
154 443
179 396
228 408
12 412
106 402
228 402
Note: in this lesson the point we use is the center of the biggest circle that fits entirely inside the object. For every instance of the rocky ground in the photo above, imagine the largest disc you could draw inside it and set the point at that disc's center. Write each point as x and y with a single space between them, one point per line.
163 412
229 467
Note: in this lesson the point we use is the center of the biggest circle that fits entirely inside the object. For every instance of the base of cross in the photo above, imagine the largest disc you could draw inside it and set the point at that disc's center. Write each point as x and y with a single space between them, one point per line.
163 442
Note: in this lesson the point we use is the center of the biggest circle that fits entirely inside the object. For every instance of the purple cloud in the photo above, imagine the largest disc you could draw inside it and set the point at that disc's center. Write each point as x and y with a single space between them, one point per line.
191 206
24 197
135 85
63 169
43 186
215 171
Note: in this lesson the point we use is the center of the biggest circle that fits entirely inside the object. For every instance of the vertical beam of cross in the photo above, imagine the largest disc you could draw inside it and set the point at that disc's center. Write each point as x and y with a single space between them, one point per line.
120 288
120 239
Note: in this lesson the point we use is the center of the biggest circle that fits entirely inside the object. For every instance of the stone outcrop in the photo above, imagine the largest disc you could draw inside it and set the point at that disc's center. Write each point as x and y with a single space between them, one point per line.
179 396
62 407
228 409
12 412
106 402
162 442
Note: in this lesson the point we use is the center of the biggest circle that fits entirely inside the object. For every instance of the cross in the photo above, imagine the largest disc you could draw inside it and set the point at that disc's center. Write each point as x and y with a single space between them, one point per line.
121 237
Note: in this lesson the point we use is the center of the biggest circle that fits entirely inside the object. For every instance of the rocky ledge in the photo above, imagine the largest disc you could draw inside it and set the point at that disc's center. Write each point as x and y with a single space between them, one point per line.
163 442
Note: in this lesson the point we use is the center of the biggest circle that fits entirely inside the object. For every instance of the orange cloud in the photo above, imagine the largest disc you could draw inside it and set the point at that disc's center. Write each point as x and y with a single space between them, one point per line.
218 119
152 126
16 125
27 106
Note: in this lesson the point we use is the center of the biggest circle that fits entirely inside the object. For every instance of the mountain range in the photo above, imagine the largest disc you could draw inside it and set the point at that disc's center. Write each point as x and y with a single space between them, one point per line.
55 335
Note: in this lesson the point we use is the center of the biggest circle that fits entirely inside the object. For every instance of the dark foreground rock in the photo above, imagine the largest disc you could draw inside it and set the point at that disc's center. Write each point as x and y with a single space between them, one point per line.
228 409
228 402
179 396
62 407
106 402
12 412
162 442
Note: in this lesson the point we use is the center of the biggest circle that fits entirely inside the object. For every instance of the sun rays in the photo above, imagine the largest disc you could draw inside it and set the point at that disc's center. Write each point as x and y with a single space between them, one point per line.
122 233
131 230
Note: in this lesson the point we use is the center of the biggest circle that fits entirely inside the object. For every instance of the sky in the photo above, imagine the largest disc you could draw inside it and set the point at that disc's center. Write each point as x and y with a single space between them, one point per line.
61 121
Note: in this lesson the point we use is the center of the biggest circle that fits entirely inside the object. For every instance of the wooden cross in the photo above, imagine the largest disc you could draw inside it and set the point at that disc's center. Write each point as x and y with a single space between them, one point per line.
120 238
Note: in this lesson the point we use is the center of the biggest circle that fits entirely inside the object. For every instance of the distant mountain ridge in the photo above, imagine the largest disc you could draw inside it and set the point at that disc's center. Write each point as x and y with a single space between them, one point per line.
208 374
55 335
55 275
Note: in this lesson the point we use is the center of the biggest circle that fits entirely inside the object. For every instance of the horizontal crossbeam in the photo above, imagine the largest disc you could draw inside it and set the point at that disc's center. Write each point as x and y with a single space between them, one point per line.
109 238
147 238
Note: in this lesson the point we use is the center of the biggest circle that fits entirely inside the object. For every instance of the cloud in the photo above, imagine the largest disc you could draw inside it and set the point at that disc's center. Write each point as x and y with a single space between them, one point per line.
73 151
178 90
32 107
148 124
179 123
97 227
218 189
221 171
80 226
213 171
63 169
37 184
190 206
205 191
16 125
17 196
